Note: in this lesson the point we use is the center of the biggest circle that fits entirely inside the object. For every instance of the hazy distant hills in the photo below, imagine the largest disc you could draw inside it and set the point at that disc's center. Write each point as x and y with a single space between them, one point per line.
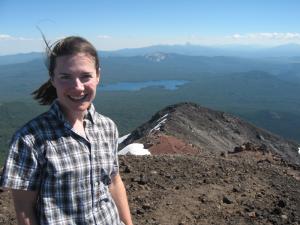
20 58
246 51
225 73
19 80
288 50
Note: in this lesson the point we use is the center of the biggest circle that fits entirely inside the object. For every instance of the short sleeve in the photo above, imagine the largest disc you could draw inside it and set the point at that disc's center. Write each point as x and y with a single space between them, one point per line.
21 170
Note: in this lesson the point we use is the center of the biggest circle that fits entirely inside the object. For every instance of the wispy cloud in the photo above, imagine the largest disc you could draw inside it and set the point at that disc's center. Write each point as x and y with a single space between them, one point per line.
103 36
4 37
7 37
271 36
259 38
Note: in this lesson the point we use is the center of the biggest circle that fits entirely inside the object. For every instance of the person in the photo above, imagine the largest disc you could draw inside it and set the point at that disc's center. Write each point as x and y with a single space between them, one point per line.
62 166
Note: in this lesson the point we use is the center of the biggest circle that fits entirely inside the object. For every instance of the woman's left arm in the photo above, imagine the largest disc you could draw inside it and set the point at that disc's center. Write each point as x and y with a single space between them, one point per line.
118 193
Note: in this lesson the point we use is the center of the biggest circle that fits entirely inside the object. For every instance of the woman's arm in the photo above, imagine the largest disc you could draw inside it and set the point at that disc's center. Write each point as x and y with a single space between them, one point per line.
25 206
118 193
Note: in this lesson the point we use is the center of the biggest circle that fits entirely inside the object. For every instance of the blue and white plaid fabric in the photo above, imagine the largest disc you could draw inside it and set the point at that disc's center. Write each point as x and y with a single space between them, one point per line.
71 172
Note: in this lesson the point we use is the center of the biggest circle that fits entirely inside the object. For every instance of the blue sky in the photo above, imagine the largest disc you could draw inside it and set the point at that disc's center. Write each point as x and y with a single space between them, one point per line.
119 24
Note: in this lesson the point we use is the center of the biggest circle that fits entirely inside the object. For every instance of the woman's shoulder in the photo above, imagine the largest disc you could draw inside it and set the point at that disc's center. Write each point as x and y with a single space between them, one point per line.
35 127
100 118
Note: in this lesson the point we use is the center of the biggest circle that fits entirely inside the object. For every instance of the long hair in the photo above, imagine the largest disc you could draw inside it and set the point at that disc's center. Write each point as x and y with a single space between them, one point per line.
46 93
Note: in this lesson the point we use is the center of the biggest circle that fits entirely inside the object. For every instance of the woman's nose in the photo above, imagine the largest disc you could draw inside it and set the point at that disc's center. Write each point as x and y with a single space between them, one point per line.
78 84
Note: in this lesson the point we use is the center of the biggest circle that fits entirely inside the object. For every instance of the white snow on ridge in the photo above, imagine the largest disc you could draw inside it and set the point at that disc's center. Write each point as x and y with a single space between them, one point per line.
163 117
121 139
134 149
160 121
299 150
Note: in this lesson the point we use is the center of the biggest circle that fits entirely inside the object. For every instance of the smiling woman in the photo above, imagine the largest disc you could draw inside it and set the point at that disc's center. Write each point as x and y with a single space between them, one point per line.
62 166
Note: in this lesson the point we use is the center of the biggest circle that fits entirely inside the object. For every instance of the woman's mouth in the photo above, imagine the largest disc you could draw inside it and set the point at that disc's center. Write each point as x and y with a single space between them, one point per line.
77 98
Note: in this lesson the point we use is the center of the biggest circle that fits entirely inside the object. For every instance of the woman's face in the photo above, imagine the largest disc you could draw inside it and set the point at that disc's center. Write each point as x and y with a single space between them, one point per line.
75 79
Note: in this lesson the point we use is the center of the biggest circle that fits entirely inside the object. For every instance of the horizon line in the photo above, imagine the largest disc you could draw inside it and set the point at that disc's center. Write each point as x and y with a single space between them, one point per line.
257 46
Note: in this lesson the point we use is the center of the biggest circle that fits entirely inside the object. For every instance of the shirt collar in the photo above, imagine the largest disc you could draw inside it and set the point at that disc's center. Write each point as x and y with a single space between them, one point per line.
55 109
91 113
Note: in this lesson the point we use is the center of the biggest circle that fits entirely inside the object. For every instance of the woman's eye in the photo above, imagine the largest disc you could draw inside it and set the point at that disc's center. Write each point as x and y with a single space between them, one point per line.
65 77
86 76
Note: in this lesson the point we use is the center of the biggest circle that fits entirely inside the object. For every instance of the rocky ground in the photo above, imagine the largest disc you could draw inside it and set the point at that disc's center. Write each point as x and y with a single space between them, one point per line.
249 186
240 188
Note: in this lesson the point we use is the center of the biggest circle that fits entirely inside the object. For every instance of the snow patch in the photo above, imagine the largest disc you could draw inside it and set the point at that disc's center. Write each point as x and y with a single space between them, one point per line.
160 121
123 138
134 149
156 57
299 150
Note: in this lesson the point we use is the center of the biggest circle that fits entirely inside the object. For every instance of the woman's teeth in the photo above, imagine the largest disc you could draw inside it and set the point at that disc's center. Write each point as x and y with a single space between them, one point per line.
77 97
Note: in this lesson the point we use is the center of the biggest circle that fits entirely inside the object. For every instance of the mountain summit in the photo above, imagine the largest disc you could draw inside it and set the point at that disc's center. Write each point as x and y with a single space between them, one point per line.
188 128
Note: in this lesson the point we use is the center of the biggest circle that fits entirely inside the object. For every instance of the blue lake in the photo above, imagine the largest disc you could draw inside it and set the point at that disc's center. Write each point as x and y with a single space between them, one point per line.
136 86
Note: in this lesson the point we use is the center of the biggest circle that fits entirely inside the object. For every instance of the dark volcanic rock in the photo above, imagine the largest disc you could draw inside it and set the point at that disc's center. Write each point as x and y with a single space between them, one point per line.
239 190
204 189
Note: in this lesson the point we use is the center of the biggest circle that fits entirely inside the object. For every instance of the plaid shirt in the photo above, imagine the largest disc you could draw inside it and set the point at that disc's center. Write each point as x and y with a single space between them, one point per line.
71 172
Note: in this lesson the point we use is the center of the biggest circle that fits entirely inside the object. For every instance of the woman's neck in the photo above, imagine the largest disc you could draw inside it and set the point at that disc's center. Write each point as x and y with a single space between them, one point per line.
75 118
78 127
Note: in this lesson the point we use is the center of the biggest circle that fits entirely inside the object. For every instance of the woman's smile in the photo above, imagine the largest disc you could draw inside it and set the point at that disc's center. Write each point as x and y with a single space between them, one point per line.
77 98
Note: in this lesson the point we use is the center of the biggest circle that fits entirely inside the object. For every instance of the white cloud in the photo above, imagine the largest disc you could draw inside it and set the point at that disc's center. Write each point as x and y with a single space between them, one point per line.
289 36
27 39
103 36
236 36
259 38
6 37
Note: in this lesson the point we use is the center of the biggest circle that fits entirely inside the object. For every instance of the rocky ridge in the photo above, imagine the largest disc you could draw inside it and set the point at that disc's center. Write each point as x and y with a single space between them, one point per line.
198 128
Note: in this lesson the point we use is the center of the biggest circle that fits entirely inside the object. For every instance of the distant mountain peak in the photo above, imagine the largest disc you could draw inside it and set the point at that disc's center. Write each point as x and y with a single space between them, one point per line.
188 127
